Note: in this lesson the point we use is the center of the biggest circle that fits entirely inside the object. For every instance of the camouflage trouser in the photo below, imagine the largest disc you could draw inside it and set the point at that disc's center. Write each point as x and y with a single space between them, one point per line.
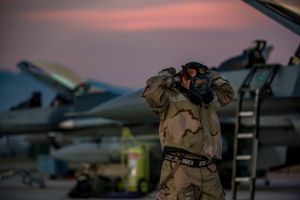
190 183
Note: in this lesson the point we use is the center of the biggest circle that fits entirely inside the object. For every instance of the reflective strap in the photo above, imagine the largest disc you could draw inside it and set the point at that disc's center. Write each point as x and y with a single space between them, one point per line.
188 162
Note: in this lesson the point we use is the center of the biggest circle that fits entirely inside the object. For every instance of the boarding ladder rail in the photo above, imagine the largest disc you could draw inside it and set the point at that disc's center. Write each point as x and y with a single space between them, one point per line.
247 129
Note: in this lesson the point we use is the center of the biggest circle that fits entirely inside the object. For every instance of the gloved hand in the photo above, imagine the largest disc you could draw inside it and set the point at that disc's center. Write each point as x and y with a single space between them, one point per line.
170 71
170 74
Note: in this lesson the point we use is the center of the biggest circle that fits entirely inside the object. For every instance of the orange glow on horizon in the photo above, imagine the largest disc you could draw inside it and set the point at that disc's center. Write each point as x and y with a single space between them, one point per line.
186 16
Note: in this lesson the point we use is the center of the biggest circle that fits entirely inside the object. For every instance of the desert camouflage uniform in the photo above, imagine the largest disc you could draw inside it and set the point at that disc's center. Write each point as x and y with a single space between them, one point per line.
194 128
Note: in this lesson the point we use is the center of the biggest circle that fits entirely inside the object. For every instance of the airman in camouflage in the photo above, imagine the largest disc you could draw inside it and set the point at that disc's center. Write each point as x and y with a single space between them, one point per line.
189 130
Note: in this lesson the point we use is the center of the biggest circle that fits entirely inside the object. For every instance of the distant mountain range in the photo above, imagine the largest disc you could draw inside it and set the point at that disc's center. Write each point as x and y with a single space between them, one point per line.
17 87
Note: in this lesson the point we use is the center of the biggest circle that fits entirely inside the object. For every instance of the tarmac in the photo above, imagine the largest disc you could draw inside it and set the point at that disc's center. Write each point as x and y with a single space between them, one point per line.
282 186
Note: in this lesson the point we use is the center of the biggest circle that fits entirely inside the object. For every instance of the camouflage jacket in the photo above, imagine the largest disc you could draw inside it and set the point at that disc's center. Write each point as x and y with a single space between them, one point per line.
185 125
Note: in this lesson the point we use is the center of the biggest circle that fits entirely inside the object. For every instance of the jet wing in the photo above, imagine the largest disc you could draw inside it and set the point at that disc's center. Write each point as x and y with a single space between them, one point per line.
285 12
42 120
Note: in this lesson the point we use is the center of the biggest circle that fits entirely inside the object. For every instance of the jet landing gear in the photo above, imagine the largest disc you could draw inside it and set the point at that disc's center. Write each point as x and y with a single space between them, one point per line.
27 177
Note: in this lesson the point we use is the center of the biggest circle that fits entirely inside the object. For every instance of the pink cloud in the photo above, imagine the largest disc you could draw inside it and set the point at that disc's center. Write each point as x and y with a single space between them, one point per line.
185 16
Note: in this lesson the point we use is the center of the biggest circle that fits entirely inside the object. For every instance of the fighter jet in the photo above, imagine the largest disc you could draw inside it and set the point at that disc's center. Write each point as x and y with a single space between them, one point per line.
279 118
73 95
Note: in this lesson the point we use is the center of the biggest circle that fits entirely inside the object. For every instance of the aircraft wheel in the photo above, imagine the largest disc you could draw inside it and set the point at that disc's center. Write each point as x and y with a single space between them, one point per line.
118 185
143 186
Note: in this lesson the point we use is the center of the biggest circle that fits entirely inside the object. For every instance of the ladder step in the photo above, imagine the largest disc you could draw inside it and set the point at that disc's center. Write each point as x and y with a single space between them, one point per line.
242 179
246 114
245 135
243 157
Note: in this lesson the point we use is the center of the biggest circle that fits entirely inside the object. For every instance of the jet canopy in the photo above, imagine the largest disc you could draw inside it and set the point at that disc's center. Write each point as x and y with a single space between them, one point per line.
57 76
285 12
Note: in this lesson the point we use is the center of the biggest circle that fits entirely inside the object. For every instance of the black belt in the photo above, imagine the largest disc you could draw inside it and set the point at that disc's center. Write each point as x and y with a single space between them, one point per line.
187 161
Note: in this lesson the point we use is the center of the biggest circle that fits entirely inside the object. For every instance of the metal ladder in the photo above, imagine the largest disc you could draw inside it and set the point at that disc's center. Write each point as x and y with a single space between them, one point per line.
248 135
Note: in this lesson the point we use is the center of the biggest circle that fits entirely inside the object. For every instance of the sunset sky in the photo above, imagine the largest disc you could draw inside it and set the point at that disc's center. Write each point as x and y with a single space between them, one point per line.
122 42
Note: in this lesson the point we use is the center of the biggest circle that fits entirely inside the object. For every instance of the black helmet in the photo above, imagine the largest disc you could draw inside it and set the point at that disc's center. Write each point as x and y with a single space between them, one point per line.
193 65
201 68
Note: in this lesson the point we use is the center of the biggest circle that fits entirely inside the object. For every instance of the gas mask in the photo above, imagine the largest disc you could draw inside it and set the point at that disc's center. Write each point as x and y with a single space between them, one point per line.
199 91
200 88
